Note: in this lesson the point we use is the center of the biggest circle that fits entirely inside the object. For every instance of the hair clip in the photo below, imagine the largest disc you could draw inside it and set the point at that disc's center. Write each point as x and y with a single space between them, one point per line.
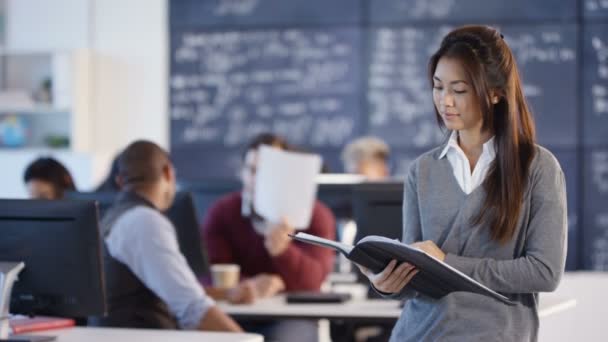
501 36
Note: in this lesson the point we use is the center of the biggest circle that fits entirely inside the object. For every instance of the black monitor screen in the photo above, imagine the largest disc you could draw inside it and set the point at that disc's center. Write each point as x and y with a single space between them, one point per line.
60 245
104 199
182 214
207 193
377 209
338 197
184 217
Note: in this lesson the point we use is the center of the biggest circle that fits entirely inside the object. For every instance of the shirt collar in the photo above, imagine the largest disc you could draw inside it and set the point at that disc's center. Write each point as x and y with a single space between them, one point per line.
452 143
487 149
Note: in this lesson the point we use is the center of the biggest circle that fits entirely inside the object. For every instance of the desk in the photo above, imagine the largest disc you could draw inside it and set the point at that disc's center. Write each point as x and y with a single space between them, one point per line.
368 310
80 334
587 320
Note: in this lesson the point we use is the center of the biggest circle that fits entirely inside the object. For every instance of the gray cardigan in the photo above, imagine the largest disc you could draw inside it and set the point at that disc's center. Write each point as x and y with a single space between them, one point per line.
435 208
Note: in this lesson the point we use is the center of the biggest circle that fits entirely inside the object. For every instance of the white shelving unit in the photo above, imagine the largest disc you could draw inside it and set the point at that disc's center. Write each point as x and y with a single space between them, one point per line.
48 94
45 86
60 113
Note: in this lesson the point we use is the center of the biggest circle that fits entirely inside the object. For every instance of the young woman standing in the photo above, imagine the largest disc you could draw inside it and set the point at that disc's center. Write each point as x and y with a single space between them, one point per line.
489 202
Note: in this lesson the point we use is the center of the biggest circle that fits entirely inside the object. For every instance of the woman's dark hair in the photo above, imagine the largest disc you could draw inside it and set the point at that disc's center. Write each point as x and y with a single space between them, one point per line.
490 66
50 170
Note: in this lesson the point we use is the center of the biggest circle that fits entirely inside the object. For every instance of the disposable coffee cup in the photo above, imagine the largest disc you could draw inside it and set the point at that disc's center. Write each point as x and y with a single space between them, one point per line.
225 276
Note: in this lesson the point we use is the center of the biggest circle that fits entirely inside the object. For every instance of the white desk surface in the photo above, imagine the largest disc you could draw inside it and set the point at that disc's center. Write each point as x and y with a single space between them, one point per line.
81 334
374 309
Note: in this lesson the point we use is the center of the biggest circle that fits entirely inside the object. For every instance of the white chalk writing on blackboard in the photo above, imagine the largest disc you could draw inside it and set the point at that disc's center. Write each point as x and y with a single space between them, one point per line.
599 90
230 86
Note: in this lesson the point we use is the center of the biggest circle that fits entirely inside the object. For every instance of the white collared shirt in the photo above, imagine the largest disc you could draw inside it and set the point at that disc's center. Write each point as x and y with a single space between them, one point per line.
145 241
468 180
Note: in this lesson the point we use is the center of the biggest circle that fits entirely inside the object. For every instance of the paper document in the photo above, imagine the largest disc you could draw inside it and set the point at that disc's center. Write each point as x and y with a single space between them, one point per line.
285 186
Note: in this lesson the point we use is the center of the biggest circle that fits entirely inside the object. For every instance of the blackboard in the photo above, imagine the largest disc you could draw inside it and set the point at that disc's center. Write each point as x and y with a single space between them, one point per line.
401 159
595 85
262 13
595 219
569 161
227 87
324 72
595 9
468 11
399 93
399 98
548 62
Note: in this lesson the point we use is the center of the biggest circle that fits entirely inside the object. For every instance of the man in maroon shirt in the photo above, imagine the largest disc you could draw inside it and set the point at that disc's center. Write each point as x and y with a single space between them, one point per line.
270 260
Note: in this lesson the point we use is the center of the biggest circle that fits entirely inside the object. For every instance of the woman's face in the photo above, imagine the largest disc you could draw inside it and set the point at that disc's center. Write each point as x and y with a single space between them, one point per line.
40 189
454 97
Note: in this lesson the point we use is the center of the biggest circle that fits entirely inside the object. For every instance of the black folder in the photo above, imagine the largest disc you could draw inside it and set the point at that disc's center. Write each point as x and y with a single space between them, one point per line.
434 279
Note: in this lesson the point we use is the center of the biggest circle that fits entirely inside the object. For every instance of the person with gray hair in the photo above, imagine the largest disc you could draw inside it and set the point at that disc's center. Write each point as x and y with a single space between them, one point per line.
367 156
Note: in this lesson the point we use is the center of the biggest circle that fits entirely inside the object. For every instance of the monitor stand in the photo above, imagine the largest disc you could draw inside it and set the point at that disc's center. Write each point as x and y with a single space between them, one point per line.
8 276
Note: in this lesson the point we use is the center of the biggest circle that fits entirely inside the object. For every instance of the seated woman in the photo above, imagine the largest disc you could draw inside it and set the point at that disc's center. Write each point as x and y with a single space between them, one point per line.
46 178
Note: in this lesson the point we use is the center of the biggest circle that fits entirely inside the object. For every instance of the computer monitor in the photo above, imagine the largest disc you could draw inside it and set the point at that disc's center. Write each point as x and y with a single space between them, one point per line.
104 199
338 197
377 209
182 214
184 217
59 242
206 193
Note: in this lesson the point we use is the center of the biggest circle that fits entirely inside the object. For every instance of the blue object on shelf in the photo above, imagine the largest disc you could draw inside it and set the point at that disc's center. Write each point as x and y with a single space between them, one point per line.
13 131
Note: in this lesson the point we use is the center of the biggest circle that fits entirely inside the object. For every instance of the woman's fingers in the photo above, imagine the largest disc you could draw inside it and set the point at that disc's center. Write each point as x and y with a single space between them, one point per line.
409 276
364 270
395 281
393 278
386 272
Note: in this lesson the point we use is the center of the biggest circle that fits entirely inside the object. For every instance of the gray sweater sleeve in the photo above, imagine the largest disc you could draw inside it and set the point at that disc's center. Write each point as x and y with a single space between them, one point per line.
541 266
411 225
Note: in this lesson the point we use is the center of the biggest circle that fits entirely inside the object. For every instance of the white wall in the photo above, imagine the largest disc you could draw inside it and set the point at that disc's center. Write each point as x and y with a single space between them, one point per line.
130 44
127 94
34 25
12 186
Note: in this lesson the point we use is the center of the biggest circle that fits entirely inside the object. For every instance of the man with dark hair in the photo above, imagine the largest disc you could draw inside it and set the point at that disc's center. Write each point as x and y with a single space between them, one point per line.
46 178
269 260
148 281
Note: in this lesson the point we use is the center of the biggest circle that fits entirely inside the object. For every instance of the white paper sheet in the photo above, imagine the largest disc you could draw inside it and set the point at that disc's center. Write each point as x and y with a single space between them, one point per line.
285 186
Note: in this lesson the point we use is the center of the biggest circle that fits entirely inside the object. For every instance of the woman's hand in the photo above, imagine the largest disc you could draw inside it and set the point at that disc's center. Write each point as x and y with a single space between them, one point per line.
393 278
429 247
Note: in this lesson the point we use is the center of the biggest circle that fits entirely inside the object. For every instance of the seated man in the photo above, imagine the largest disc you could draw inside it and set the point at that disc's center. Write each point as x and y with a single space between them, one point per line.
270 261
367 156
148 281
46 178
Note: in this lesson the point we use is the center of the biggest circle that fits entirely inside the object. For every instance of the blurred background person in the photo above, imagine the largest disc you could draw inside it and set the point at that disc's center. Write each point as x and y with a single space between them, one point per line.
270 261
46 178
367 156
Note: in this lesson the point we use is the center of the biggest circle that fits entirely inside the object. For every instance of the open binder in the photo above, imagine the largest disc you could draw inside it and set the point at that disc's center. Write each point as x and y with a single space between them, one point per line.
434 279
